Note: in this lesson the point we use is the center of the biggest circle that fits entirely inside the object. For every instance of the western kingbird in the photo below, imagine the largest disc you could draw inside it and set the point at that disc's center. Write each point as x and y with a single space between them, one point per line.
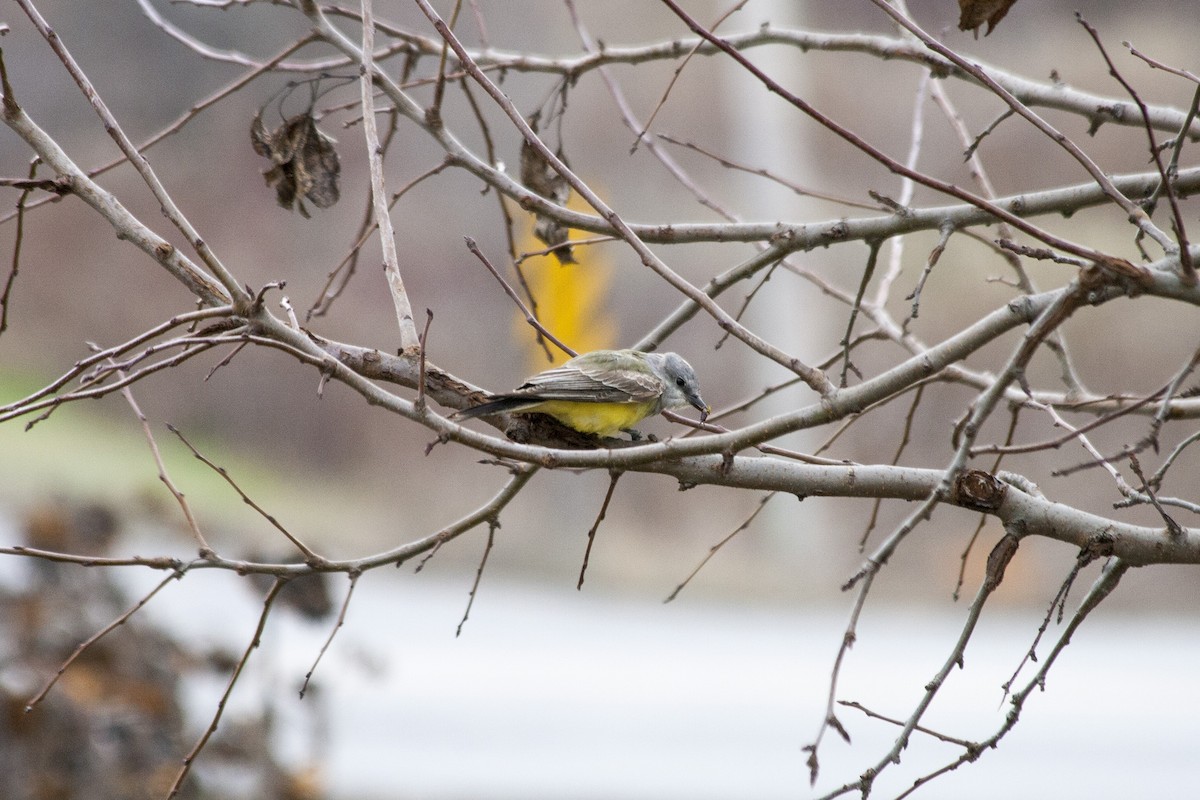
603 392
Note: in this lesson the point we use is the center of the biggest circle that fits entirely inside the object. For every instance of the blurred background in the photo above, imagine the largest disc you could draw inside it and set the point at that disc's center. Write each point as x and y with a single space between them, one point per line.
550 692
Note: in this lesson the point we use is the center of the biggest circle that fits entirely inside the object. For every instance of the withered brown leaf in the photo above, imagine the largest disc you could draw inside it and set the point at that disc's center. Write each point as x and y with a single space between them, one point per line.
304 161
540 178
976 12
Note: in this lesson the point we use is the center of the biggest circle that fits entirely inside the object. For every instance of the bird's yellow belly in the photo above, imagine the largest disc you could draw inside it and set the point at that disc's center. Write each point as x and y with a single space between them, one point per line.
604 419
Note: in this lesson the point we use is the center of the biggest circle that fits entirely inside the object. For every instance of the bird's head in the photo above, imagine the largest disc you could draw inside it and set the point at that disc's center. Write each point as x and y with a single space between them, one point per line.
683 389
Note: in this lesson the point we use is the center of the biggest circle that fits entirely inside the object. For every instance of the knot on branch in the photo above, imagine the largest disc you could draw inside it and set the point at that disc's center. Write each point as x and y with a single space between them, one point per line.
1101 545
1101 276
979 490
836 232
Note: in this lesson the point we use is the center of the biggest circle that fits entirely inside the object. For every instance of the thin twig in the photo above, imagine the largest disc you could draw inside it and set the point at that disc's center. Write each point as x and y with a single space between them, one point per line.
895 263
98 635
1073 432
506 216
1173 528
1160 474
349 263
747 300
1056 342
493 524
930 262
181 122
1058 602
1185 256
17 240
1155 64
190 758
614 476
1108 580
1136 214
941 737
647 256
434 114
905 438
1172 391
420 401
998 562
529 316
712 551
341 620
763 172
310 557
139 162
127 226
193 526
662 100
1118 265
830 720
863 282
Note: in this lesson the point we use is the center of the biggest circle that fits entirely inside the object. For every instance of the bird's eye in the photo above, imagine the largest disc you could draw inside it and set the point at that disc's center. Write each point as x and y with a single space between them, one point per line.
679 382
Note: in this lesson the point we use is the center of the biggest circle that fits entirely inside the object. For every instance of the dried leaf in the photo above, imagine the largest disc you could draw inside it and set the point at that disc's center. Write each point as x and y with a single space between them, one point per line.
320 161
305 162
260 137
539 177
551 232
280 176
976 12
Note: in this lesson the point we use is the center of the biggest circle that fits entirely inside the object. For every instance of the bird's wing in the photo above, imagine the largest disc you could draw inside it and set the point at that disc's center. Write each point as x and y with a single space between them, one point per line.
606 382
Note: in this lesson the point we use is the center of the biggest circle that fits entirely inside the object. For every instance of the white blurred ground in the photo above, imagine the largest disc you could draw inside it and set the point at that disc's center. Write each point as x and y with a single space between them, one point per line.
550 693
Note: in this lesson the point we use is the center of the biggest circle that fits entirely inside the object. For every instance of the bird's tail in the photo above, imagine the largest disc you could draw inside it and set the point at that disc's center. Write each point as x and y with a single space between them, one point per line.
501 404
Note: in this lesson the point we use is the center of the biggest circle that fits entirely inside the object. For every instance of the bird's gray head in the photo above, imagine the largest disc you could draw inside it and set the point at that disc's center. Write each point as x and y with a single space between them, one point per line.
682 387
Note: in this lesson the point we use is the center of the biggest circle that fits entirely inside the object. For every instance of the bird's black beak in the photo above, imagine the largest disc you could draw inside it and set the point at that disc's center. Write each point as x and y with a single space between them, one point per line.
699 404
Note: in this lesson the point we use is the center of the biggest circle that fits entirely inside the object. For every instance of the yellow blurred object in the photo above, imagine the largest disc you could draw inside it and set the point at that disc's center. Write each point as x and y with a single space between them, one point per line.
571 298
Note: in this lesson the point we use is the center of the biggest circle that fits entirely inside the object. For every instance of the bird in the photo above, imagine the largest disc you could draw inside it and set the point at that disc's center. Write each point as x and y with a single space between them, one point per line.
602 392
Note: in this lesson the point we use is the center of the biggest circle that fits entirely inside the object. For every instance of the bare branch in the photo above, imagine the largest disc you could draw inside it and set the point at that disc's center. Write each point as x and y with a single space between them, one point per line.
1136 215
139 161
813 377
947 188
383 221
110 208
